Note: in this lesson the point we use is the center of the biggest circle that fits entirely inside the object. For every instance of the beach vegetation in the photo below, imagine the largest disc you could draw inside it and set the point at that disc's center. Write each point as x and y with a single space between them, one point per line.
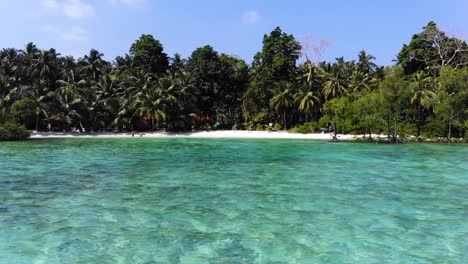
425 94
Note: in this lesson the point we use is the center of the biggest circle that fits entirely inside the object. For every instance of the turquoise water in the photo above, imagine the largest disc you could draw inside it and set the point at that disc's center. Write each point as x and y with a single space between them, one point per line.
232 201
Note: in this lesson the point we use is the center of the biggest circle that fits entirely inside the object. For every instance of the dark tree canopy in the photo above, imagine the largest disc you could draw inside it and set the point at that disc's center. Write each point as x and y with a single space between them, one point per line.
277 60
432 49
205 68
220 80
149 55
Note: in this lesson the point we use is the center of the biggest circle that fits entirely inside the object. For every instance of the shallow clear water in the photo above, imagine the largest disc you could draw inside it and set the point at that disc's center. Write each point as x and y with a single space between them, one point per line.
232 201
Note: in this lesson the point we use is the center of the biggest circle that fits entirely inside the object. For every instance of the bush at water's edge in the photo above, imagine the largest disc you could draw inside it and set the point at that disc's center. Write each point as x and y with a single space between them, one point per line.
12 131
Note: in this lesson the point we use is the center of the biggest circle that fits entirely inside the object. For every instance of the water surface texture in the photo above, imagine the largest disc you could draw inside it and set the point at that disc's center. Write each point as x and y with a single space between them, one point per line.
232 201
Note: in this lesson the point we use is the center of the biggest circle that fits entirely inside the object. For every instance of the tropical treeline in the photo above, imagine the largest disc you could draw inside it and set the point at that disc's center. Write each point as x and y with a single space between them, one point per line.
424 94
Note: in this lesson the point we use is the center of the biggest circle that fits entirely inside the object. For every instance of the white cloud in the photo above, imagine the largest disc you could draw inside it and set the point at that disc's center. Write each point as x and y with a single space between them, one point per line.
77 9
72 34
50 4
75 33
74 9
127 2
250 17
51 29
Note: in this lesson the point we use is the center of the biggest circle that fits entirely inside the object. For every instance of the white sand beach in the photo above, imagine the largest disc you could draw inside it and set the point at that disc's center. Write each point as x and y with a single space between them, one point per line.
198 134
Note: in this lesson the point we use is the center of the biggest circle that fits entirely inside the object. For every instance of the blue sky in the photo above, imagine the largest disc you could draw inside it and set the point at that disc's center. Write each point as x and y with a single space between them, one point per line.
233 27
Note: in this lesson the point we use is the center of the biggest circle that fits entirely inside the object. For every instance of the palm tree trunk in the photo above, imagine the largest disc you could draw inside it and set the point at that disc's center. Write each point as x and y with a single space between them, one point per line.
37 121
395 132
284 118
419 121
152 123
450 125
389 126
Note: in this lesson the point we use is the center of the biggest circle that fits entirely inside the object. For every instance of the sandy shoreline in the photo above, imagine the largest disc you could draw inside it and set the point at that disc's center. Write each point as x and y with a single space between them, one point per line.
199 134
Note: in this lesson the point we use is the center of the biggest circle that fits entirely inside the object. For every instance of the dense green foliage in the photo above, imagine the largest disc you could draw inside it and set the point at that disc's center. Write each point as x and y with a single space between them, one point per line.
11 130
425 94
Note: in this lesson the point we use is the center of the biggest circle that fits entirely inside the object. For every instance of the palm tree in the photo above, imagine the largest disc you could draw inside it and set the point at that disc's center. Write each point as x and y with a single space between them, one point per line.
334 85
67 102
185 87
4 87
150 103
124 66
44 67
93 64
359 83
9 77
282 98
72 81
36 95
104 102
126 114
306 99
422 96
30 52
421 90
132 83
179 95
178 63
365 63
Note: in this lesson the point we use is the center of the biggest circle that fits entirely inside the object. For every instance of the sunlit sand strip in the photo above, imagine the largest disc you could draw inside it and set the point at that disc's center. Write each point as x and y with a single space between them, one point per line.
201 134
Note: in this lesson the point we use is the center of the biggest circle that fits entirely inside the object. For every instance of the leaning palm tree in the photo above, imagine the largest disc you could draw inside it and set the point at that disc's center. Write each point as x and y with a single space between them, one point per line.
126 114
282 98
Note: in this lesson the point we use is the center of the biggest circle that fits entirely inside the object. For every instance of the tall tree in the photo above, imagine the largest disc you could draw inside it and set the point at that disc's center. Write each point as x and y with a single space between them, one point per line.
396 98
337 113
453 100
148 54
277 60
234 82
275 63
204 66
432 49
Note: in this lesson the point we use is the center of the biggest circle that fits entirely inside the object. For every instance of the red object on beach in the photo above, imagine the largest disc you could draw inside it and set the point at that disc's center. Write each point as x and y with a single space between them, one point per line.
205 118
